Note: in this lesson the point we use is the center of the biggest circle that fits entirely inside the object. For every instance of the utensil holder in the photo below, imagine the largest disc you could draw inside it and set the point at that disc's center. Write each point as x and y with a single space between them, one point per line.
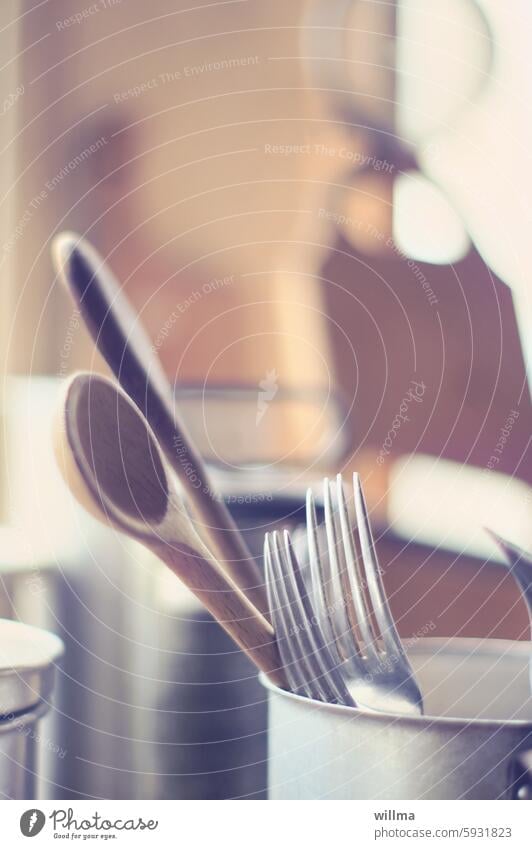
473 743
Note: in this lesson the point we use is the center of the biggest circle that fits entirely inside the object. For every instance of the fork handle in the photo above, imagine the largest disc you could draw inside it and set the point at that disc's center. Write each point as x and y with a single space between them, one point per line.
227 603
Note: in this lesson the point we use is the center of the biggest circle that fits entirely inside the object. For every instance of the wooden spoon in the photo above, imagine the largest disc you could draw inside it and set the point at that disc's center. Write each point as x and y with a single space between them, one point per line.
110 459
125 345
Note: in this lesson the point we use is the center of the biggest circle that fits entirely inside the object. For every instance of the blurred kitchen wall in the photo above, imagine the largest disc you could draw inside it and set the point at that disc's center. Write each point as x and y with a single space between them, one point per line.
162 134
11 92
192 145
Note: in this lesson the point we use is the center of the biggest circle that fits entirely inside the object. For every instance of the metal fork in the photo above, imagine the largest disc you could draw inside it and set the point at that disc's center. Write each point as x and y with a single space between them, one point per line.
519 563
313 669
349 594
328 641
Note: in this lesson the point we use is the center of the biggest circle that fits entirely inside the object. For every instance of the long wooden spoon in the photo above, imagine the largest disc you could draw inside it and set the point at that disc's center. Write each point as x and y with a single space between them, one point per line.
110 459
125 345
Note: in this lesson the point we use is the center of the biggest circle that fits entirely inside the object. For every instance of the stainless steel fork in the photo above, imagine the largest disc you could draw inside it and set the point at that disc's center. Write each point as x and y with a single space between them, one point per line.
313 668
351 605
327 637
519 563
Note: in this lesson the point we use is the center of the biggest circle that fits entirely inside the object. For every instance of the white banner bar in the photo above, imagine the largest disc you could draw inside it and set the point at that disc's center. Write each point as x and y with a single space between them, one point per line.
355 825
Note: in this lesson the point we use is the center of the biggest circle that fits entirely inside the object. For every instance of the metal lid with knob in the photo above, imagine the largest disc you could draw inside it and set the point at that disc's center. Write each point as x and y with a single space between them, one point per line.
28 658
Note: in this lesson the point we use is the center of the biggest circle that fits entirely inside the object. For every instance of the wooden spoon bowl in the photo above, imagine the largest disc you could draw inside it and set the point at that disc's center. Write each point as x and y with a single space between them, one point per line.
112 463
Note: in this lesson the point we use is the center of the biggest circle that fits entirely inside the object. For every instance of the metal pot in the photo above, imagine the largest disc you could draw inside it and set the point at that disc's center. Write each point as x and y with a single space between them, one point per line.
27 661
473 743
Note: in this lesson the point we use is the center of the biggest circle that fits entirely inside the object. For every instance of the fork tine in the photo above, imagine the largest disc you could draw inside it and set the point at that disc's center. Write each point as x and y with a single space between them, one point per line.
326 662
390 636
302 671
407 687
519 563
345 635
321 582
298 626
355 579
290 662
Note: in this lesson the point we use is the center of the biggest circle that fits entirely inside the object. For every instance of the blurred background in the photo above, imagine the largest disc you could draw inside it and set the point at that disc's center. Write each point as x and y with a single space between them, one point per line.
321 212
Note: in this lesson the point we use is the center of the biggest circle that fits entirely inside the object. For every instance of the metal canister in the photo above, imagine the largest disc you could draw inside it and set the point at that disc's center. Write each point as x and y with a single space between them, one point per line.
204 713
27 665
474 741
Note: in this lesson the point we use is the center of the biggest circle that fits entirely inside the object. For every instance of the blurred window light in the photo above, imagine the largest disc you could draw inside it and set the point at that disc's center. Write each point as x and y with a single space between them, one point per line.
459 502
443 55
425 225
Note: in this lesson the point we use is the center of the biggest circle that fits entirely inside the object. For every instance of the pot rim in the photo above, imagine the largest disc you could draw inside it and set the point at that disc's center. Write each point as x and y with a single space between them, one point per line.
486 646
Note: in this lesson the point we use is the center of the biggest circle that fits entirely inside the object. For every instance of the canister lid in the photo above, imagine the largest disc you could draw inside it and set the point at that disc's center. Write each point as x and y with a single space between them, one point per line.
27 664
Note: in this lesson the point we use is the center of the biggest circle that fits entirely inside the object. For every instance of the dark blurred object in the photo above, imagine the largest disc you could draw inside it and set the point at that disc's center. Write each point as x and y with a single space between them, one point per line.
465 350
449 322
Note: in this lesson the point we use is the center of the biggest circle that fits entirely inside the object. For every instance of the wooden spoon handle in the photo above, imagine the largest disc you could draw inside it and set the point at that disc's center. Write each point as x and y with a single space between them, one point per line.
125 345
228 604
